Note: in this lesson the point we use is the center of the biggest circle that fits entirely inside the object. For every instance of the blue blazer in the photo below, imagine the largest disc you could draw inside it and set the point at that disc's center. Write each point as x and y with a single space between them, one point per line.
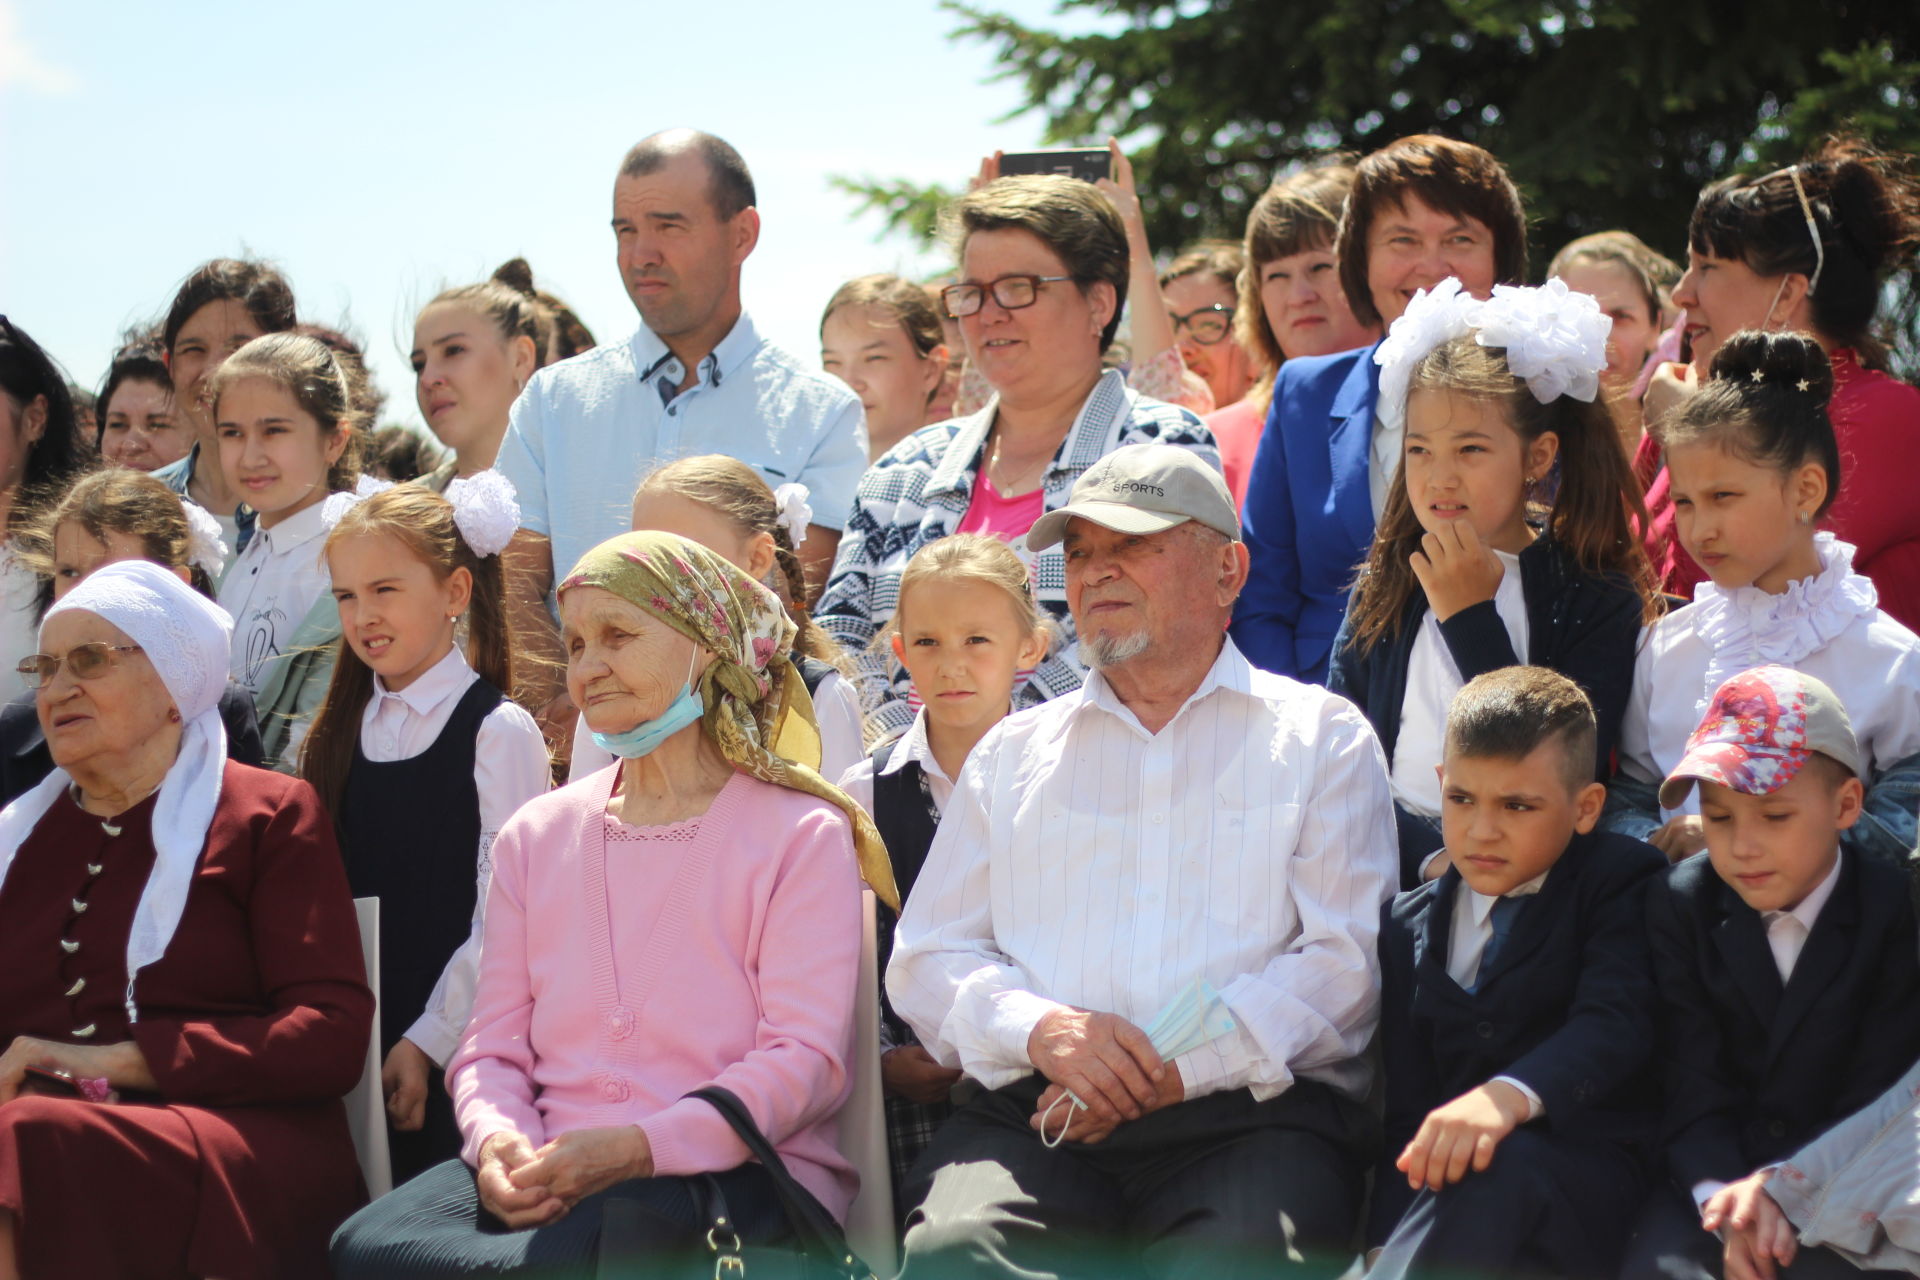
1308 519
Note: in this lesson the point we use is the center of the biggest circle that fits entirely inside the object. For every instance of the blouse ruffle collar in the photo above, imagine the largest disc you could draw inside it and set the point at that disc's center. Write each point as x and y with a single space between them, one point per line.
1747 627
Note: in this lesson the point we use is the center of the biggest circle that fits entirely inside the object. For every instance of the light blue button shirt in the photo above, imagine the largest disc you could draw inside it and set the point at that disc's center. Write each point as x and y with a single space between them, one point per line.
585 430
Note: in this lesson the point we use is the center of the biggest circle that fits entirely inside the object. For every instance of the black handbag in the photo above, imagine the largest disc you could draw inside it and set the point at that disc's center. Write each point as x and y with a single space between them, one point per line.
817 1249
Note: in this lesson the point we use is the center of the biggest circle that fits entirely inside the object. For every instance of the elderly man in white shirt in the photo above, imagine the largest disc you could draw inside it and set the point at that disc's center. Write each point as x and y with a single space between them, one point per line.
1147 927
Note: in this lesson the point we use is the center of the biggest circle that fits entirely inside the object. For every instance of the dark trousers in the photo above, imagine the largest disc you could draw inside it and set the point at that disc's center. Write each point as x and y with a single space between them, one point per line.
434 1227
1671 1246
1220 1186
1546 1206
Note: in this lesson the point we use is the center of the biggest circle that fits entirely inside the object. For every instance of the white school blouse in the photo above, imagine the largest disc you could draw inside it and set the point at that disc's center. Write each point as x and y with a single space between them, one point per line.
509 768
1084 861
910 748
270 588
1828 626
1433 677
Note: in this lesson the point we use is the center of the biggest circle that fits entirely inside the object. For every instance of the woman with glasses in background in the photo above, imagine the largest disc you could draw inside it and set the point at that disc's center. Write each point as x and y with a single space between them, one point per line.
1043 277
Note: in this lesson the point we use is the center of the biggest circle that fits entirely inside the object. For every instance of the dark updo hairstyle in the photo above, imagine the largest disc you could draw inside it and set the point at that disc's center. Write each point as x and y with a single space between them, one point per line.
259 288
139 359
1866 208
558 333
1754 408
28 373
1450 177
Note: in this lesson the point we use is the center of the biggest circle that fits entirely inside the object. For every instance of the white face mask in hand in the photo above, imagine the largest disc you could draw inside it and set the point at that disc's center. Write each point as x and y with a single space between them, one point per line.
1195 1017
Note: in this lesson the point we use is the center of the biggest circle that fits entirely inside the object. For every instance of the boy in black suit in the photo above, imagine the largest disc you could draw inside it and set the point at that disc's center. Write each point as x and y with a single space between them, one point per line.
1516 1020
1789 982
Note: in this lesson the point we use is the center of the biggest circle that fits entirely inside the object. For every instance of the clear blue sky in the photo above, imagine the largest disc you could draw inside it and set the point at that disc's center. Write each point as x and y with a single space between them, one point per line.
381 151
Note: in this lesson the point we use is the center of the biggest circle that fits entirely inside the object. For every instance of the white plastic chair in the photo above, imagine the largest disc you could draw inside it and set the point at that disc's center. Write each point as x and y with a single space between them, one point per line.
863 1121
366 1105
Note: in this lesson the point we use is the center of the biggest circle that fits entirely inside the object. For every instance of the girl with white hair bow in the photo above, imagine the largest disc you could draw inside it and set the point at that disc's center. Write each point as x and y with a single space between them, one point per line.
176 939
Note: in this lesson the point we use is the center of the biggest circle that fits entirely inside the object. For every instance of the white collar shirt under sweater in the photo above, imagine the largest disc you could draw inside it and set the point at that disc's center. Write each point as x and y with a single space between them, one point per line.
1083 861
509 768
270 588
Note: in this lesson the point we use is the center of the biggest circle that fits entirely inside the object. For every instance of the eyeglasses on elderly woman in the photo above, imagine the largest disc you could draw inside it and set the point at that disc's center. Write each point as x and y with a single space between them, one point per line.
1011 292
86 661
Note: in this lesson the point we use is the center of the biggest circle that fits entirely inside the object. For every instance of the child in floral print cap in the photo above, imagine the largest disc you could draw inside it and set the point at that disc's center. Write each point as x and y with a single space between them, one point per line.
1772 824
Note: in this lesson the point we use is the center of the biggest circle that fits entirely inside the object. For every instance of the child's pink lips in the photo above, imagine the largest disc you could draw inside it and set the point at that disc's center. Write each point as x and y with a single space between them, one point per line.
955 693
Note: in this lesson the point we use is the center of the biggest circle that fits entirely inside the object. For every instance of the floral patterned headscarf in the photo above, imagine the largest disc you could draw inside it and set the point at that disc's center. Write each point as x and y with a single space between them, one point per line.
757 709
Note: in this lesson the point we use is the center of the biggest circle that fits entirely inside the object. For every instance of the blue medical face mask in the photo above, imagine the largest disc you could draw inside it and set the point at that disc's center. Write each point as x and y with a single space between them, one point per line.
645 736
1196 1016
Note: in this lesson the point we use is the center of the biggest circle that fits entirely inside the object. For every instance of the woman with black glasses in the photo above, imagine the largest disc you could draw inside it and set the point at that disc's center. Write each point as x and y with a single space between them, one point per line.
1042 280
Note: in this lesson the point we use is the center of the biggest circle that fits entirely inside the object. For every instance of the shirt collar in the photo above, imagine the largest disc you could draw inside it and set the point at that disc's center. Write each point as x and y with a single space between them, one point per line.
1086 442
651 353
913 748
446 678
296 530
1810 906
1230 672
1482 904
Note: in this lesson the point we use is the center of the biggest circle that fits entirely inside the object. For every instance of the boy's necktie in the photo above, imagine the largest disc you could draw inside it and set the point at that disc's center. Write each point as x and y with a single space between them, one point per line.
1500 920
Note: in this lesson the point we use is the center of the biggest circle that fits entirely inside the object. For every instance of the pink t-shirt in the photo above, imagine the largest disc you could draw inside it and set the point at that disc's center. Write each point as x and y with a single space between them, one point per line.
1007 519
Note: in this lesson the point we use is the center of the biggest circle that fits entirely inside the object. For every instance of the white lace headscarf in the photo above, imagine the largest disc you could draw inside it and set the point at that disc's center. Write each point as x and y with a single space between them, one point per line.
187 638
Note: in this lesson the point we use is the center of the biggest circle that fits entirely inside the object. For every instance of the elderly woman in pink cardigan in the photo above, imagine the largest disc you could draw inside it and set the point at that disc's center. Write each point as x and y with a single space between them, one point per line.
686 917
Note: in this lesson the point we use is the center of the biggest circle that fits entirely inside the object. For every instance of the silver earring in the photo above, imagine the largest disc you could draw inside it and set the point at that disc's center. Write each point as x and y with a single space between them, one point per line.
1806 517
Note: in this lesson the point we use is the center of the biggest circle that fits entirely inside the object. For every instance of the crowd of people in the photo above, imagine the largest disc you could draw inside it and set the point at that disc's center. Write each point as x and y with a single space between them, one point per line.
1361 762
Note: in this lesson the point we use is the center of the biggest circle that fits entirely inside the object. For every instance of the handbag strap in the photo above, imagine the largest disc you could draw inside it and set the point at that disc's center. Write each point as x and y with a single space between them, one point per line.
814 1229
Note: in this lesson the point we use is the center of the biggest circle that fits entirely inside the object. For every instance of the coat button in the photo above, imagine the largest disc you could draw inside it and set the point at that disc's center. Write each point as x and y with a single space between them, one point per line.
620 1022
1484 1030
614 1089
1777 1128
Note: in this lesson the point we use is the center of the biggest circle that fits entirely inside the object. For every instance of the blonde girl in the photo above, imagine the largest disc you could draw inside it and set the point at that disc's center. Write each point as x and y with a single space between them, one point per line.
966 625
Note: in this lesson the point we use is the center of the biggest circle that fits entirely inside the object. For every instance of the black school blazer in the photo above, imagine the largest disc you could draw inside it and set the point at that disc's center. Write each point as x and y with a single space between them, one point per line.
1586 628
1755 1070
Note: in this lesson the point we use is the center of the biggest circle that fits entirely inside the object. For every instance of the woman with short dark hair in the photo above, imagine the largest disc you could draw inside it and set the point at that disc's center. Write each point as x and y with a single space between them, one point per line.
1422 209
1044 268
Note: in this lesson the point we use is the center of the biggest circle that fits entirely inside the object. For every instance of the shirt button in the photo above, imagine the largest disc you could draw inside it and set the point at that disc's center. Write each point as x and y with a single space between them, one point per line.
1159 818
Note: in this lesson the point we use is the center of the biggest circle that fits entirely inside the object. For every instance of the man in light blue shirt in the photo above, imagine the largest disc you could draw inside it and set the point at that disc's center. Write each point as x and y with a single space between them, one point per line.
696 378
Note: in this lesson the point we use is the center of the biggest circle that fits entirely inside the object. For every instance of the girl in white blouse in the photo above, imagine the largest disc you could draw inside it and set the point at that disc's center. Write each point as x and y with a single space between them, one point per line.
283 418
422 759
1754 467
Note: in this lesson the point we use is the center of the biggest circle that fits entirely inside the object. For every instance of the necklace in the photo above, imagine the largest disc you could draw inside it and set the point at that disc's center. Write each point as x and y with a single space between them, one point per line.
109 825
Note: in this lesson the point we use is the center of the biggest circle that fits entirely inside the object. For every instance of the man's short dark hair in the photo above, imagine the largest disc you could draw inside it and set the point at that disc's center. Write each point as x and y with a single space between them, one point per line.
1507 714
731 189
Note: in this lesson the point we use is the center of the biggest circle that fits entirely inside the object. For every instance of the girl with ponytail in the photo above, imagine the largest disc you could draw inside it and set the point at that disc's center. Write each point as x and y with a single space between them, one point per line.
1755 472
421 760
1806 249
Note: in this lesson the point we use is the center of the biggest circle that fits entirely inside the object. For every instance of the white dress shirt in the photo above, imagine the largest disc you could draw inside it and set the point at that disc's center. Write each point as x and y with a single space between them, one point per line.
509 769
1787 930
911 748
19 598
1085 862
1383 459
836 711
1433 677
271 587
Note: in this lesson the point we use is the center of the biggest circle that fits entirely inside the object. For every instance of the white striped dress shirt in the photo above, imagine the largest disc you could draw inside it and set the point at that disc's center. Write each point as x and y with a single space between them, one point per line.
1085 862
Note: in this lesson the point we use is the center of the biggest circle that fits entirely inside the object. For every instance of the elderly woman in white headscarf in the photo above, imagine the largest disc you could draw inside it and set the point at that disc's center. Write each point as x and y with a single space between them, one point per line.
182 1002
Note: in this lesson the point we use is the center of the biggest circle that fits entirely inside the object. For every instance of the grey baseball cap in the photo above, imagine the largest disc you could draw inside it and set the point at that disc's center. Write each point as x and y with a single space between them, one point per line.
1143 488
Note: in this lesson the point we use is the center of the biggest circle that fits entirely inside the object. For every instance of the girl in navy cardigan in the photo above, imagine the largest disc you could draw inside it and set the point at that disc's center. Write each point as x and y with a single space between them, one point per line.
1470 572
